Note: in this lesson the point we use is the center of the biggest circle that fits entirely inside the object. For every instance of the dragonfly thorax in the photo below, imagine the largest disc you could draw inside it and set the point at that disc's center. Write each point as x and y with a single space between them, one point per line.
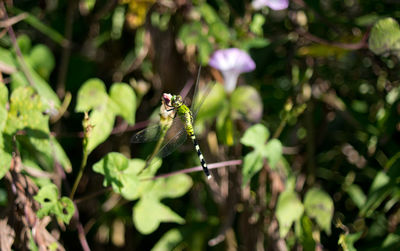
176 101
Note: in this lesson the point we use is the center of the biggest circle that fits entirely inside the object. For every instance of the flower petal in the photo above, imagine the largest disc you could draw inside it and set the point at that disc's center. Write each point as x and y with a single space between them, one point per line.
232 59
278 4
273 4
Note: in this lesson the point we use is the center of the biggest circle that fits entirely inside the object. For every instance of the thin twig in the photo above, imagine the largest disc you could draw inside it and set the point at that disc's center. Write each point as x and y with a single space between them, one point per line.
188 170
13 20
117 130
198 169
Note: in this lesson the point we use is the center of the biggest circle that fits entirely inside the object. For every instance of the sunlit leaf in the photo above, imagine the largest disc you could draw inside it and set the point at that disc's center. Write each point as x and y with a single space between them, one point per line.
252 163
5 157
346 241
172 187
66 208
148 213
121 173
102 119
50 203
92 94
3 109
168 241
7 60
288 210
49 98
385 37
357 195
42 60
125 98
273 151
256 136
319 206
257 23
26 112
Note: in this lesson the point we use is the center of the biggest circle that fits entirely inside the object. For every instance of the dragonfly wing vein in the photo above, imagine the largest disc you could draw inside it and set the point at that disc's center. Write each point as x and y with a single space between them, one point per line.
172 144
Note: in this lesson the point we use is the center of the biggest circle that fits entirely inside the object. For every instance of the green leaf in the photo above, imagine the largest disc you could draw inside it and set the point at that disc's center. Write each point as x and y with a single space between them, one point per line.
319 205
385 37
102 119
49 98
255 136
252 163
256 26
91 95
3 103
169 240
246 103
172 187
5 161
273 151
50 204
25 44
357 195
254 42
346 241
26 112
47 197
288 210
148 213
304 231
42 60
66 209
225 130
121 173
7 60
213 103
125 98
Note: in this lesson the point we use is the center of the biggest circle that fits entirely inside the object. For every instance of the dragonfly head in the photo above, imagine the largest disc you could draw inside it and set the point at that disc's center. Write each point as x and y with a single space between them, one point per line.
167 99
176 101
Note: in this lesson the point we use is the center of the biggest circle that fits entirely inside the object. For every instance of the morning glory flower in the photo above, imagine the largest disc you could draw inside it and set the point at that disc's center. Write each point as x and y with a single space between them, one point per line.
231 62
273 4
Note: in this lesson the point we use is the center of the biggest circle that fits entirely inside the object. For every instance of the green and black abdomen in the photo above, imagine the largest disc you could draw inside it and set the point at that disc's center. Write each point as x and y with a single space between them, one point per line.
187 118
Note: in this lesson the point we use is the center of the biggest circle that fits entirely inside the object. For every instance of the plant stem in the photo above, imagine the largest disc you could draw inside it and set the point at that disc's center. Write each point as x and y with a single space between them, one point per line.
78 178
280 127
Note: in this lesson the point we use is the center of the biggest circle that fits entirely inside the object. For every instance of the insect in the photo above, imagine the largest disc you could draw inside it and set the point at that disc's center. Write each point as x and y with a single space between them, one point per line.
173 106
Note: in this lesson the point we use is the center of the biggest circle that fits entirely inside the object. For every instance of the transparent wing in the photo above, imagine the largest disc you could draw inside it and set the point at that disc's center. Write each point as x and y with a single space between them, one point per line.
198 101
153 132
172 144
150 134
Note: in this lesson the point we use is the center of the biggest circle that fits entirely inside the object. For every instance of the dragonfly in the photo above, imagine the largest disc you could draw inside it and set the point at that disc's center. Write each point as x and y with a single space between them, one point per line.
173 109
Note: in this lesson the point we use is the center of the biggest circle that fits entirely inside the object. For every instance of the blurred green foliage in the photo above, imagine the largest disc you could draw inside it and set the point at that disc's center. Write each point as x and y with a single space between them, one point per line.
315 125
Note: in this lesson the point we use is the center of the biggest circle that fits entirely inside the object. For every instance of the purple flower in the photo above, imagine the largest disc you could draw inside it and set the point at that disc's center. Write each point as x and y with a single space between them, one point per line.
273 4
231 62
